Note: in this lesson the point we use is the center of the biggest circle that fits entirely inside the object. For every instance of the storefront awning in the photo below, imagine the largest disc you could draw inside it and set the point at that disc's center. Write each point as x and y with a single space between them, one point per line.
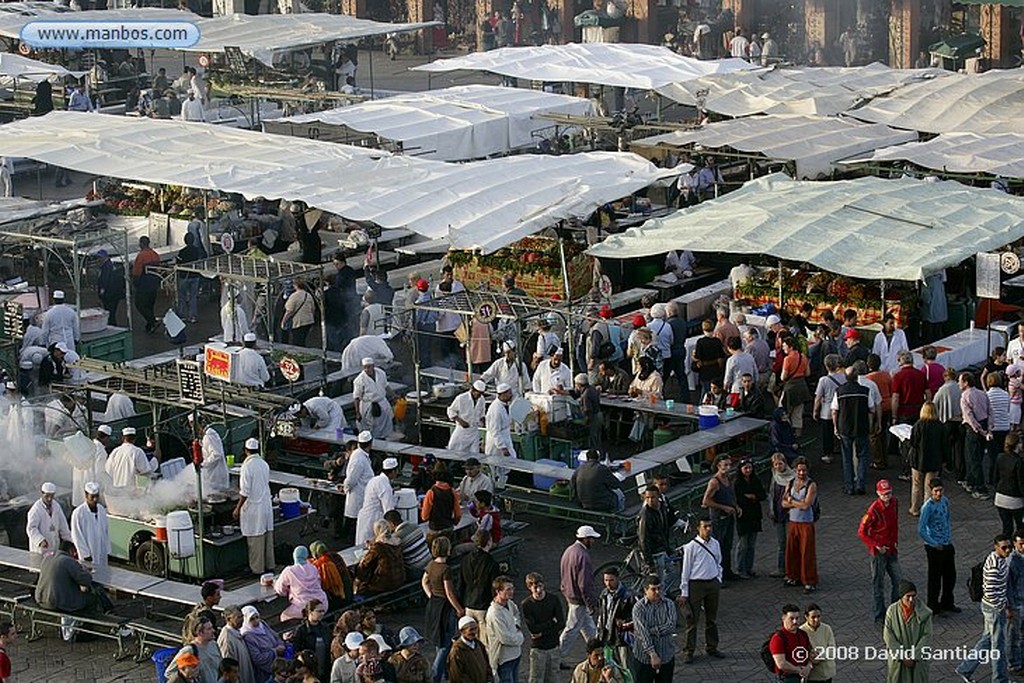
866 228
998 155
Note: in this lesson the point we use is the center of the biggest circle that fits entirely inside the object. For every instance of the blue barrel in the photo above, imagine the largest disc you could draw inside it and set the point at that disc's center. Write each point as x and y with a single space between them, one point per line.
291 510
707 421
162 659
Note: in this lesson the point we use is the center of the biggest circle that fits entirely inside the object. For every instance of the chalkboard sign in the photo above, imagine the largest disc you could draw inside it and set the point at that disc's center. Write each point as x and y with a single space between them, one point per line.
988 278
13 316
237 63
190 381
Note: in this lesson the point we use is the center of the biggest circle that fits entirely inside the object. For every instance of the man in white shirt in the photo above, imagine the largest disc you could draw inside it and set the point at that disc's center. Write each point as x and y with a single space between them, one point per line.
1015 349
552 376
60 323
90 531
370 395
192 109
358 473
888 344
234 322
97 469
475 480
252 368
320 413
255 509
214 471
467 410
509 370
499 432
547 340
46 526
378 498
739 46
128 461
699 587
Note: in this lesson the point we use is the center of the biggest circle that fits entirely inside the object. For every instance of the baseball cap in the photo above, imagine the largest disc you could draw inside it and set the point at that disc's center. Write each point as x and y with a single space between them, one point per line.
383 644
61 346
883 486
422 285
772 320
639 321
587 531
852 334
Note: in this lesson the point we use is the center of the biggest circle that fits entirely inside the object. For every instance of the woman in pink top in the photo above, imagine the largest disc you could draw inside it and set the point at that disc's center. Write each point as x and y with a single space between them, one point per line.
300 583
932 370
1014 375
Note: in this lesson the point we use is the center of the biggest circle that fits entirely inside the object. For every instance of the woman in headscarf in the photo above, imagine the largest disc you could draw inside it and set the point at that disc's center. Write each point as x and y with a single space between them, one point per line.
334 575
781 438
782 475
312 635
647 382
300 583
262 641
382 568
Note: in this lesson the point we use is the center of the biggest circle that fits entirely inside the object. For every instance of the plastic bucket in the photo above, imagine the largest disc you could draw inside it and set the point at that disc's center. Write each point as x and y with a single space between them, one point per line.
707 421
162 659
291 506
181 540
407 505
161 529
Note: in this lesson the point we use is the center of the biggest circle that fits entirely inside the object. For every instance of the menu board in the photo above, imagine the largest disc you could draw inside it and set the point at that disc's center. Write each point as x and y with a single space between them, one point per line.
988 277
190 381
13 317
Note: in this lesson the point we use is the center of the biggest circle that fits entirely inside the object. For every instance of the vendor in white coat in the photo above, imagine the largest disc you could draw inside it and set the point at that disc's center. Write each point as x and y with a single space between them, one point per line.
60 323
235 326
509 370
62 417
252 368
255 509
467 410
214 471
499 432
552 376
888 344
321 413
96 471
46 526
358 473
119 407
128 461
370 394
90 531
378 498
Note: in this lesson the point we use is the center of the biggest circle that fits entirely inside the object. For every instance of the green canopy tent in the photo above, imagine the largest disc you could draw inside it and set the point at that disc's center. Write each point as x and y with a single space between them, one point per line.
957 49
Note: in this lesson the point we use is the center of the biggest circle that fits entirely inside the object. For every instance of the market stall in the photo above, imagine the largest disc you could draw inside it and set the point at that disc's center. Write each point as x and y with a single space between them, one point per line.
964 156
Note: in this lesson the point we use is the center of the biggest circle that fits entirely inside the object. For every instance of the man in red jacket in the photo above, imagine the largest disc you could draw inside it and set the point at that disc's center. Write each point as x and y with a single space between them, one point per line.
879 530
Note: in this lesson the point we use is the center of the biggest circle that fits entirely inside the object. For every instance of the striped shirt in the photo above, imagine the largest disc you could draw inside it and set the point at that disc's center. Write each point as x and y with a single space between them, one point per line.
998 410
654 625
995 580
974 409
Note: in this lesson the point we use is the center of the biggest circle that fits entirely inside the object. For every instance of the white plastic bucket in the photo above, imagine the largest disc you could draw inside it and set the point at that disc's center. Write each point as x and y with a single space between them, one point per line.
407 505
708 410
181 538
291 506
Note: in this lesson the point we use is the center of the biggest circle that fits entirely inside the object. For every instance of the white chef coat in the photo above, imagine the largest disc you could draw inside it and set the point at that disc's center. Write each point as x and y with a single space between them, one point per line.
34 336
499 430
214 472
516 375
370 390
90 532
546 377
466 438
97 472
241 323
358 473
888 350
60 324
192 110
58 421
252 369
544 341
368 345
378 498
257 515
119 406
325 413
46 525
125 462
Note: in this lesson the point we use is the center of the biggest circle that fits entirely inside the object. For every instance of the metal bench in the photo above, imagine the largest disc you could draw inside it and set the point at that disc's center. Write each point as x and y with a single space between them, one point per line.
107 626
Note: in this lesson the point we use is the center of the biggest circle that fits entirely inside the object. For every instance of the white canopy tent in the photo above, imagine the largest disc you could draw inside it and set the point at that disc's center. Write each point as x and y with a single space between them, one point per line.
624 65
480 205
815 143
777 90
866 228
17 209
991 102
16 66
995 154
454 124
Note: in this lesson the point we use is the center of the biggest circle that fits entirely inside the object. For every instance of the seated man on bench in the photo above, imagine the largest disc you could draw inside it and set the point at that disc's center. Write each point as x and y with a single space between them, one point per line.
66 586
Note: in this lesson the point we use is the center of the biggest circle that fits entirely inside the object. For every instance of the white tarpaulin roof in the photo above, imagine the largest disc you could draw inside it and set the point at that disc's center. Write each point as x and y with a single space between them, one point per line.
996 154
624 65
16 66
16 209
815 143
867 228
805 90
991 102
454 124
483 204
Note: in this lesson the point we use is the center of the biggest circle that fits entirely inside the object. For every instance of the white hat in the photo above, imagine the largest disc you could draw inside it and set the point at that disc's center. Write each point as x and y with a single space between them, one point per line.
105 429
249 612
772 320
249 336
765 36
48 487
367 361
58 294
295 408
383 644
466 621
26 364
390 463
503 387
128 431
61 346
354 640
365 437
508 345
587 531
92 488
558 352
11 385
252 444
480 385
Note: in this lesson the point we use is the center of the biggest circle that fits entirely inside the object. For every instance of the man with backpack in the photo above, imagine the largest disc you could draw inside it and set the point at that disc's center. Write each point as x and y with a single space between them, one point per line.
788 650
879 530
996 610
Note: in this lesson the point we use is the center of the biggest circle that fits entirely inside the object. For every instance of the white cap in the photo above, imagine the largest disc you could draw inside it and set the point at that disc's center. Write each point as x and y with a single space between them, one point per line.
252 444
128 431
295 408
249 336
466 621
92 488
765 36
26 364
367 361
480 385
383 644
390 463
58 294
772 320
105 429
354 640
365 437
587 531
558 352
503 387
508 345
11 385
61 346
48 487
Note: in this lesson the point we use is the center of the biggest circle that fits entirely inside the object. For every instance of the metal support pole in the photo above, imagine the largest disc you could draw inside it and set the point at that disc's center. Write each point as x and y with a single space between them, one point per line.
780 285
416 376
76 280
127 281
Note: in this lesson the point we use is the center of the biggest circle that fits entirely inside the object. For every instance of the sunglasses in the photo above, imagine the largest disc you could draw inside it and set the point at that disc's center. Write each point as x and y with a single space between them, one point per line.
1005 547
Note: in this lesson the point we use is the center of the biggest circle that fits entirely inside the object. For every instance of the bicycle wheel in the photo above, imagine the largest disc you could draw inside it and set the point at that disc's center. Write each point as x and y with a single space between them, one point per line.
633 582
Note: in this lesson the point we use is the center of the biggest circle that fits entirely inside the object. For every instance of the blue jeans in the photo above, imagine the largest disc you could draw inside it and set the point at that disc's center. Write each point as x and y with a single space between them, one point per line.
850 444
780 537
993 638
508 672
974 453
723 527
1015 637
188 298
882 564
439 669
745 553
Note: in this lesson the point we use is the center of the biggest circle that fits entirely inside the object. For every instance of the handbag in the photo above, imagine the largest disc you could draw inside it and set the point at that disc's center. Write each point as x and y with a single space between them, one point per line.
636 434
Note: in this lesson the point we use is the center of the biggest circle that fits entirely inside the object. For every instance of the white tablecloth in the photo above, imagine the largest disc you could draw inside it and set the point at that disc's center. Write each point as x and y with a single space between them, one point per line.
963 349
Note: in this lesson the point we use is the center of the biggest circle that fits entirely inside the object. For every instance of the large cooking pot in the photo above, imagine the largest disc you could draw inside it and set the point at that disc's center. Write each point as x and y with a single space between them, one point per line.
445 390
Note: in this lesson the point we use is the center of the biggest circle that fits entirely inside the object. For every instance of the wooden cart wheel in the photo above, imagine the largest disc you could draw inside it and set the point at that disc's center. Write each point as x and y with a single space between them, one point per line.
149 557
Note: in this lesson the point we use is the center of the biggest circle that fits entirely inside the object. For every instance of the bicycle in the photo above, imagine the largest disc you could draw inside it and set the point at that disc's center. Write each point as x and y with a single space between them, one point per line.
633 569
